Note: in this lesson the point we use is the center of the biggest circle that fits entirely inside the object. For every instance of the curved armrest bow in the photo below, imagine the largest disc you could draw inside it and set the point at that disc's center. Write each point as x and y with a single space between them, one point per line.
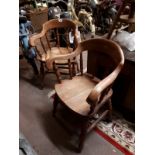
34 37
95 94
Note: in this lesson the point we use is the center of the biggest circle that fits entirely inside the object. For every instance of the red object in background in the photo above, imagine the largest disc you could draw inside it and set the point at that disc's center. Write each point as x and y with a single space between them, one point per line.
118 2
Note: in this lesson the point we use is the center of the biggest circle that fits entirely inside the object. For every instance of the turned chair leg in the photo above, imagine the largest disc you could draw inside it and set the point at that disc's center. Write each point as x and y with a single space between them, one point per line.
55 104
57 73
70 68
73 69
82 136
78 70
109 116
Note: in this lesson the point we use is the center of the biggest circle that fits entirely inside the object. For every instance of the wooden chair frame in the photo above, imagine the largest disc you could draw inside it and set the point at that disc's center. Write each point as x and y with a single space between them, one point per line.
55 25
101 93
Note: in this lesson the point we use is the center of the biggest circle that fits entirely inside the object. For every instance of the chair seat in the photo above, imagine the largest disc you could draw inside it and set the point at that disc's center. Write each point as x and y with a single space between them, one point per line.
125 18
74 93
53 52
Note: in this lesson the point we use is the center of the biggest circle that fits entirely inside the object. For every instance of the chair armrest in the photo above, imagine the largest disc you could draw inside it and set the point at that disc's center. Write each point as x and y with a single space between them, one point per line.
34 37
97 91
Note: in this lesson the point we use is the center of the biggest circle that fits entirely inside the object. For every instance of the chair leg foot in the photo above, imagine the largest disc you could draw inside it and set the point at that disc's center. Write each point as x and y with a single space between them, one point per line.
42 74
109 116
55 104
82 136
56 70
41 84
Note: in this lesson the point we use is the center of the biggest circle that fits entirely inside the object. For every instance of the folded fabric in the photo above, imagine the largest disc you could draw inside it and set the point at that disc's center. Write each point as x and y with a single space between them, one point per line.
125 39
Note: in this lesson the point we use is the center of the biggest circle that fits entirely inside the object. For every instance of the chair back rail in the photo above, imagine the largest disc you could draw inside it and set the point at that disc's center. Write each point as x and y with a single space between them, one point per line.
60 29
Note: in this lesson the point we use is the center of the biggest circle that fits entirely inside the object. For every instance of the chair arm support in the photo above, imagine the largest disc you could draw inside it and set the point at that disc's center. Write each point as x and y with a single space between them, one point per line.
95 94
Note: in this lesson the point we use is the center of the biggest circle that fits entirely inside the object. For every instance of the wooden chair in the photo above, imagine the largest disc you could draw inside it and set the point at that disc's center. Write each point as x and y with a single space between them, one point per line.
52 41
127 18
84 95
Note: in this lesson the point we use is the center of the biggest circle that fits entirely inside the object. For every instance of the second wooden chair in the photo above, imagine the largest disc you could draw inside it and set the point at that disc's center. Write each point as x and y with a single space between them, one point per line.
58 37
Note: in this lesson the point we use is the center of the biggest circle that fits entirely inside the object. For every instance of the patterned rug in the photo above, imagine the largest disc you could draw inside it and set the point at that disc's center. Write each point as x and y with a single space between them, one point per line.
119 132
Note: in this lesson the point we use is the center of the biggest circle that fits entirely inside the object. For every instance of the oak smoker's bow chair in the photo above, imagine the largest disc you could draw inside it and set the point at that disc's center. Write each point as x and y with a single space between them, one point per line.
84 95
54 40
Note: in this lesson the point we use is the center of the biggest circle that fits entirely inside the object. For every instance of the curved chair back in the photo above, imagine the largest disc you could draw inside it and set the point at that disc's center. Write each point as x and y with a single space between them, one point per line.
104 57
54 31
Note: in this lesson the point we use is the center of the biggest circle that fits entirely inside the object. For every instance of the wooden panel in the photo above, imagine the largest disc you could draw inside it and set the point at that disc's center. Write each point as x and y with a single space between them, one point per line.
124 91
38 18
99 64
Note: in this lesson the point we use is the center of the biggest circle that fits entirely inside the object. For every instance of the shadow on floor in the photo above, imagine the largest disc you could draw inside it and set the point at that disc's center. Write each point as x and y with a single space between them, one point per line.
58 131
26 74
